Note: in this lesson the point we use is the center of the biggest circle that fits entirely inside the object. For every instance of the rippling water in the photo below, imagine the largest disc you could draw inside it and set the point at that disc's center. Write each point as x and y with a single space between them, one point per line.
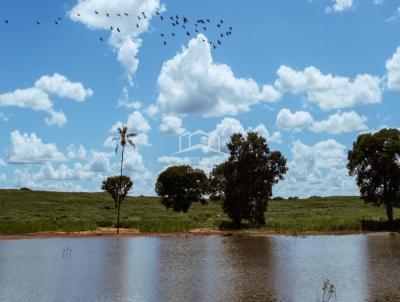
363 268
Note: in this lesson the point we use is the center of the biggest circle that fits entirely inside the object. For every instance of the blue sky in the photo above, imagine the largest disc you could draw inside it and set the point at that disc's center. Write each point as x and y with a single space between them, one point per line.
307 75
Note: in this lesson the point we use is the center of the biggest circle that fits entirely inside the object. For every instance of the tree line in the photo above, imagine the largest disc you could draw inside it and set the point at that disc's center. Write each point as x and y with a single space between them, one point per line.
243 183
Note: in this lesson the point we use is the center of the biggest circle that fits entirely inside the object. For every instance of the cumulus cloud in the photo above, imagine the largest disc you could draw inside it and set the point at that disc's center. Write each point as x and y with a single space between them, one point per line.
29 149
329 91
341 122
79 152
172 125
125 43
37 97
59 85
339 6
293 121
317 170
393 71
192 83
276 136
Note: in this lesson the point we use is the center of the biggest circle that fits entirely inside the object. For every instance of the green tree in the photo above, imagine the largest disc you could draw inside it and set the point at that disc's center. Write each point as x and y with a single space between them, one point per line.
123 139
375 162
217 183
179 186
118 187
245 181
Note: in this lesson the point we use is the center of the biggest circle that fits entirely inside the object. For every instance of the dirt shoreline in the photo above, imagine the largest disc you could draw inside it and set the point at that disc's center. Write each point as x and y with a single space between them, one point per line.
110 232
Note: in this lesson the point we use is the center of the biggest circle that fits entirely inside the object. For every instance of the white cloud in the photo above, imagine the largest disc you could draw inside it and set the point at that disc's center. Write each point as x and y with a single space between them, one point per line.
125 43
56 118
76 152
192 83
378 2
124 101
393 71
29 149
395 17
293 121
98 162
136 123
59 85
172 125
37 97
317 170
276 136
328 91
225 129
4 117
339 6
341 122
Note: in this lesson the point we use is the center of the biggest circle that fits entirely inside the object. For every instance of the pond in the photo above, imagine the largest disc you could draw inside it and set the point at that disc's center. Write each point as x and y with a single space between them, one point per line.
200 268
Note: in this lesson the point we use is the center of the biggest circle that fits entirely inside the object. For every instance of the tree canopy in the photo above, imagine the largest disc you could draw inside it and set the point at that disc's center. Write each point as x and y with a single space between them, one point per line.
179 186
118 187
245 181
375 161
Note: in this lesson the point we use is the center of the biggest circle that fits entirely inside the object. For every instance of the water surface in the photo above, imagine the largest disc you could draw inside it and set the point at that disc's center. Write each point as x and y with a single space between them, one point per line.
363 268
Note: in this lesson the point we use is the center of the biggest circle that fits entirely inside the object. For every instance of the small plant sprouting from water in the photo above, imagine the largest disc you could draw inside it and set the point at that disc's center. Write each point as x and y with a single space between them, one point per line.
67 252
329 292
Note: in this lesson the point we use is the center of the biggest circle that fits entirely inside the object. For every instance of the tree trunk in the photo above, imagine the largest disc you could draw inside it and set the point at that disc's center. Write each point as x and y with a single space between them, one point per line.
389 211
119 189
119 206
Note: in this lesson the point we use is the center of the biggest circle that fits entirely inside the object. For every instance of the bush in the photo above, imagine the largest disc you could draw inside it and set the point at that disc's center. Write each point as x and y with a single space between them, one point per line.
293 198
278 198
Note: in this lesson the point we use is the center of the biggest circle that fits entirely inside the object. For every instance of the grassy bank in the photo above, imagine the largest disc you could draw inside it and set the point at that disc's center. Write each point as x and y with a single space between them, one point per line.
36 211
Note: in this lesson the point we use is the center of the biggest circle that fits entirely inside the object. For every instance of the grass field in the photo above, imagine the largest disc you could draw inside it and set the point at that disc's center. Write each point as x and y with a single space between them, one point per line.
37 211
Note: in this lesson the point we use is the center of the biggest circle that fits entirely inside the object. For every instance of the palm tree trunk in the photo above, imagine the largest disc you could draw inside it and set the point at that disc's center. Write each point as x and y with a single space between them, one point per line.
119 189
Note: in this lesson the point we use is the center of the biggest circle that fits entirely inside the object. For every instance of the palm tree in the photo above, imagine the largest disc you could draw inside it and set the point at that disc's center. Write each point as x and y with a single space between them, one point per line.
123 139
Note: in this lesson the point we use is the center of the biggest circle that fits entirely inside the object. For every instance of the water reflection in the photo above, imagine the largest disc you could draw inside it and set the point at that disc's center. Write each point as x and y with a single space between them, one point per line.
363 268
383 267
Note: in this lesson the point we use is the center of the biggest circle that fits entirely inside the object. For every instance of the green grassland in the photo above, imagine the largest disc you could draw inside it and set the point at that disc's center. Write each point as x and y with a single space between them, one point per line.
38 211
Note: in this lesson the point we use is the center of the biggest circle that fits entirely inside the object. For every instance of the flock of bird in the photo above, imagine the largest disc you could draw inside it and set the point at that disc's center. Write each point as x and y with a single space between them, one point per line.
178 25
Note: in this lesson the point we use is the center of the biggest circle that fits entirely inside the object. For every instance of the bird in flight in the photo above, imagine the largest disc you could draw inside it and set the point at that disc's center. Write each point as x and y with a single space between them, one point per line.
126 14
101 39
37 23
108 15
96 12
119 15
144 15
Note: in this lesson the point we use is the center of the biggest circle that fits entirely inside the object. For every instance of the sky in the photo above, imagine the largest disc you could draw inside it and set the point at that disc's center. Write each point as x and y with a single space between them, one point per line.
307 75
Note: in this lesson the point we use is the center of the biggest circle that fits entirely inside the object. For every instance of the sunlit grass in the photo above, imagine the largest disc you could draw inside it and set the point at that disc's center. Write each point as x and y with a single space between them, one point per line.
37 211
